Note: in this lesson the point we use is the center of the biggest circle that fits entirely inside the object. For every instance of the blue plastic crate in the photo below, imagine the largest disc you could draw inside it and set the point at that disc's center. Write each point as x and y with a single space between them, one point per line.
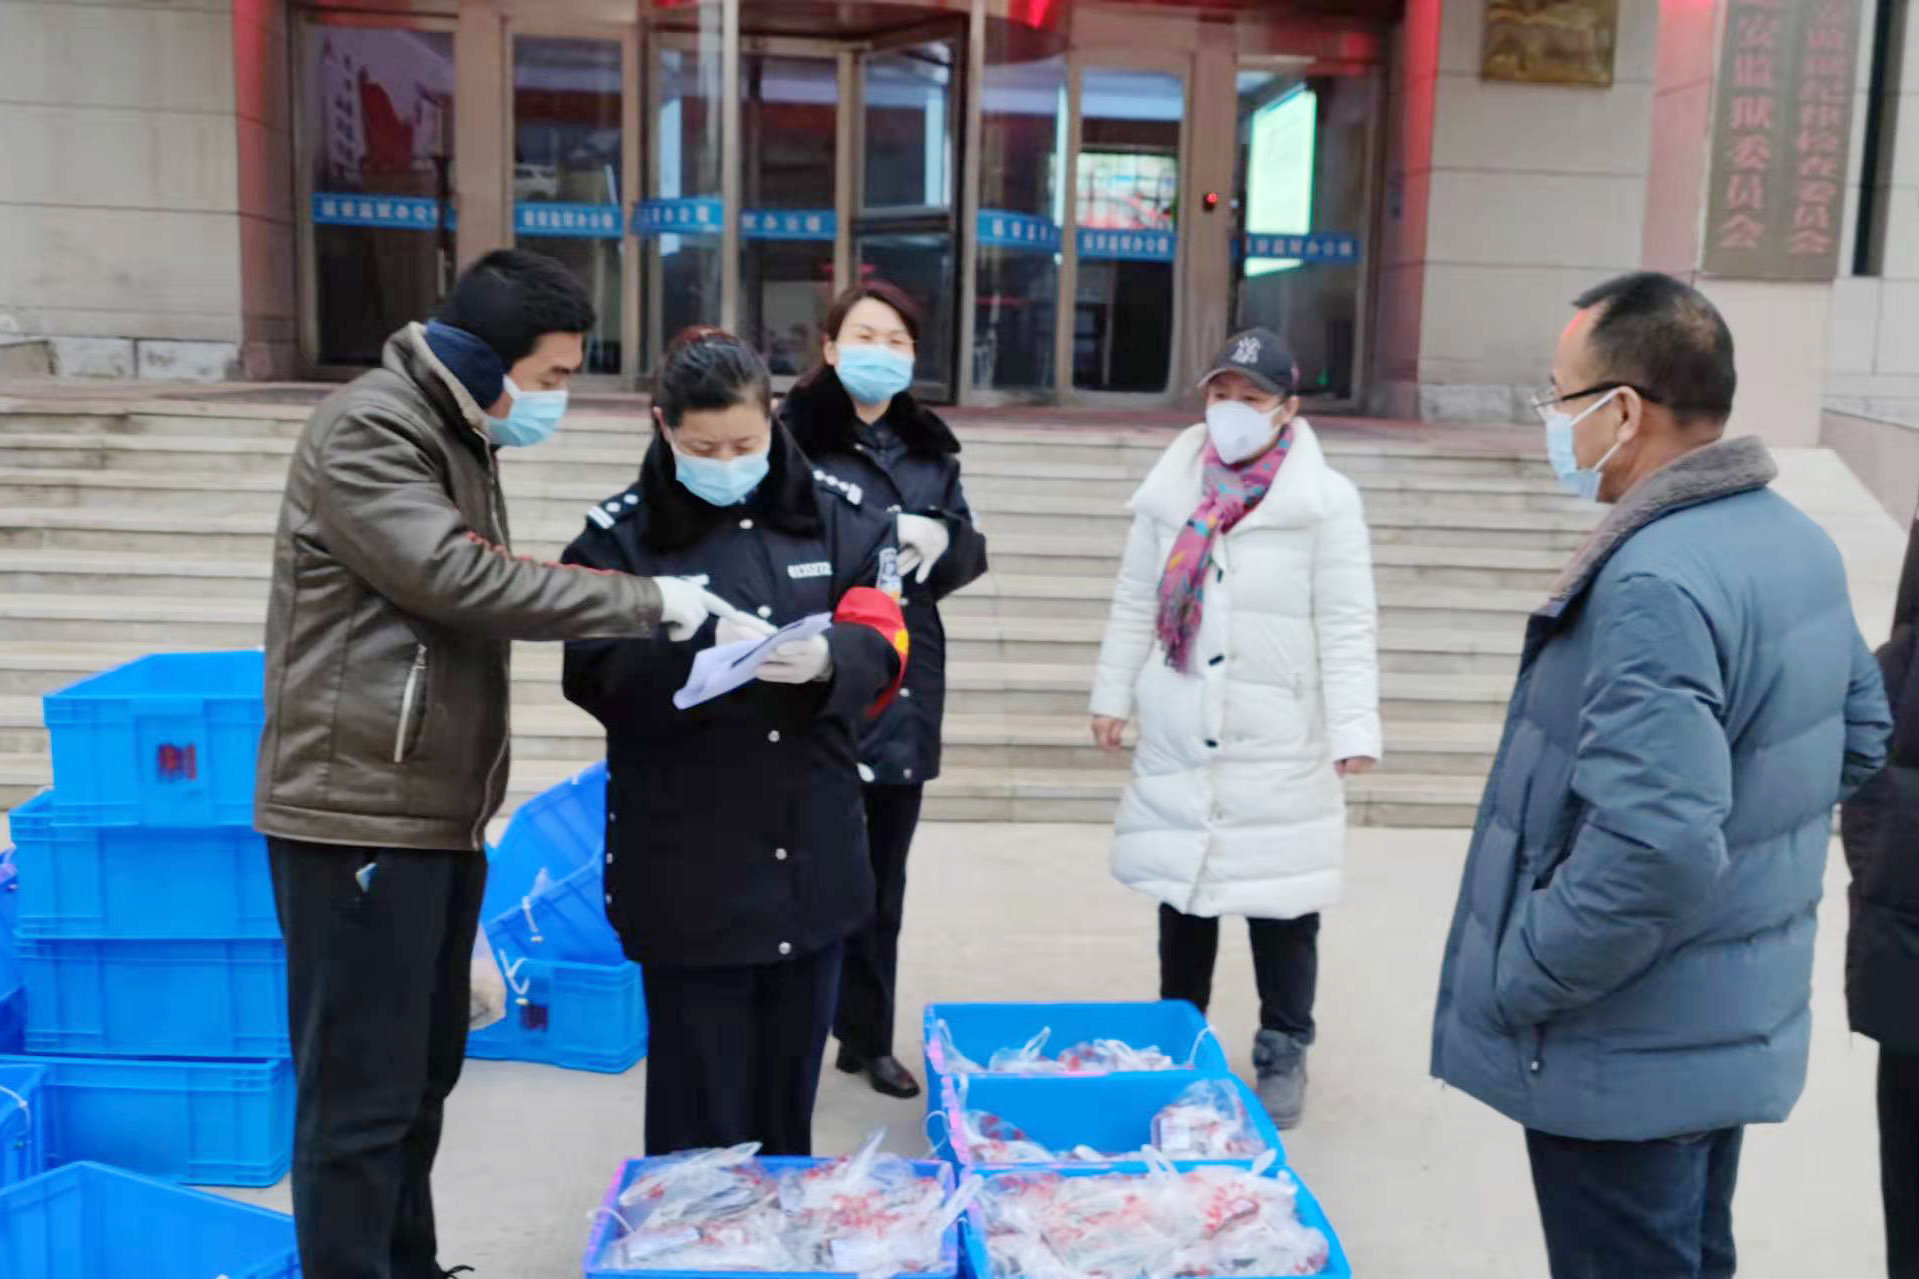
1112 1114
13 990
557 831
85 1221
979 1264
210 1123
104 882
579 1016
169 740
156 998
606 1228
980 1030
22 1146
564 921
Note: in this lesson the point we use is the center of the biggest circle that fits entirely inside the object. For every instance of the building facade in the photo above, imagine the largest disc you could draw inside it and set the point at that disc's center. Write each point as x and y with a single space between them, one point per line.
1087 196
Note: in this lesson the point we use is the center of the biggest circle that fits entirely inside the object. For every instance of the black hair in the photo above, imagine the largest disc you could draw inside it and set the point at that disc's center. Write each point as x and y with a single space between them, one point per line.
882 291
708 368
510 299
1662 336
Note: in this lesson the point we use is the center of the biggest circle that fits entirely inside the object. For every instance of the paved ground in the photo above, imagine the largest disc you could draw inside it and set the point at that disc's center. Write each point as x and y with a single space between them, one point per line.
1421 1182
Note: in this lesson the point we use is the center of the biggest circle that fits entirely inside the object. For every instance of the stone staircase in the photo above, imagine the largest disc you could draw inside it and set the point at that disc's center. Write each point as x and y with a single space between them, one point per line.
123 532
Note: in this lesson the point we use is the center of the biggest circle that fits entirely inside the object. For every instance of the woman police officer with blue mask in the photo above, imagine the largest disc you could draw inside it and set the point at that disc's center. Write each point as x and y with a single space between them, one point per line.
856 418
736 843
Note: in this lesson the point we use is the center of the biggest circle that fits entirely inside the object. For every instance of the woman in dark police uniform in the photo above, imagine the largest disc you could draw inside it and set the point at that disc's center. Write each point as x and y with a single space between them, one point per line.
857 420
736 844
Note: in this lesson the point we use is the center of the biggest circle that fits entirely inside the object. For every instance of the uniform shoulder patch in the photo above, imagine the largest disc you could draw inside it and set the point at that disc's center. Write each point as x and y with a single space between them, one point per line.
852 494
614 509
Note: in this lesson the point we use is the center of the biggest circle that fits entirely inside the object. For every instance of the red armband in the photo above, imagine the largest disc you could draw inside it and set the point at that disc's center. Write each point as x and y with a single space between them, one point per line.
868 606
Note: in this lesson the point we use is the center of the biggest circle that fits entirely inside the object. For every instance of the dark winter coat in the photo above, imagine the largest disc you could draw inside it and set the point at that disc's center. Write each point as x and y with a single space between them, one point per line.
1881 833
907 462
1631 957
735 829
395 596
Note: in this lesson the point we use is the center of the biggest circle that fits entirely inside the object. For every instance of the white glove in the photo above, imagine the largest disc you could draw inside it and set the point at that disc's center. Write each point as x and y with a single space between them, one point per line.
685 607
798 662
741 628
922 542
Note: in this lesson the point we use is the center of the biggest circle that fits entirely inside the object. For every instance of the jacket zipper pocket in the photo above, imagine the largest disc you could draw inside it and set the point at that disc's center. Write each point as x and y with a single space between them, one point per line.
1536 1051
407 699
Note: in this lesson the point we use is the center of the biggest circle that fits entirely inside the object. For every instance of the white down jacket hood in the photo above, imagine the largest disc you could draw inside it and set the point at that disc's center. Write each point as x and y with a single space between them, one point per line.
1235 807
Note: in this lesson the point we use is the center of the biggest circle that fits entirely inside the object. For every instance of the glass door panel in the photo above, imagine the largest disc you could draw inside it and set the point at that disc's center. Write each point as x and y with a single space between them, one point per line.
1023 114
1127 215
567 185
1303 197
379 151
789 121
681 216
906 230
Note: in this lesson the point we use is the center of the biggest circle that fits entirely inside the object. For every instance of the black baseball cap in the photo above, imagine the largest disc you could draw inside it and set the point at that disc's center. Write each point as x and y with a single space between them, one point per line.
1262 357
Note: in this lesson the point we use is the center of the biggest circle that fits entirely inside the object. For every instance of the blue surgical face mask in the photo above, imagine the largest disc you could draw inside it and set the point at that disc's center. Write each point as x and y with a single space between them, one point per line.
1581 482
534 417
874 374
721 483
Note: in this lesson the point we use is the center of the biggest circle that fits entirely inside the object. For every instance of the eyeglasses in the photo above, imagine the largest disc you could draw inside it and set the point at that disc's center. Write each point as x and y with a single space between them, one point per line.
1548 398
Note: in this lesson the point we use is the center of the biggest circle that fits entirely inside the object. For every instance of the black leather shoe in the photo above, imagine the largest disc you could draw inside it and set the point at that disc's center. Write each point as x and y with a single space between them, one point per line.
886 1074
892 1078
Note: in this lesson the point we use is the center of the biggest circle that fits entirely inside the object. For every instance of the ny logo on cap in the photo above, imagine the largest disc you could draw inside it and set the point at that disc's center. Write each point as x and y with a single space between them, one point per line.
1247 352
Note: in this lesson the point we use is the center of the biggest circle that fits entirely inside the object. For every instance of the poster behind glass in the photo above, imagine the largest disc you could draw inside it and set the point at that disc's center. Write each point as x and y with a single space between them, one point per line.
379 143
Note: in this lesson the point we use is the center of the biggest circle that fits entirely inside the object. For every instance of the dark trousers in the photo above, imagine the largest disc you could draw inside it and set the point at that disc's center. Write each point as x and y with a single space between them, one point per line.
870 982
1285 966
1638 1209
377 986
734 1053
1899 1160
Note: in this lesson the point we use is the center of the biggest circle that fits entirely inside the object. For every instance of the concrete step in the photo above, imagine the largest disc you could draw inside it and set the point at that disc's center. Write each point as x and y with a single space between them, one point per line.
973 687
22 777
222 527
101 575
1043 507
1004 468
234 623
590 429
1078 565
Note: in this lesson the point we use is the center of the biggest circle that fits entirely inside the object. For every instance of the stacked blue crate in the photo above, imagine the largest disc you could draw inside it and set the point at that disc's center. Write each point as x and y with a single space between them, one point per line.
1111 1114
13 990
573 999
145 932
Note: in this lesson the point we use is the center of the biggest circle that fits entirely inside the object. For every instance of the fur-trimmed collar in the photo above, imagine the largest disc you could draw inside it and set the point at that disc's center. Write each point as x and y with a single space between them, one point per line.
786 499
820 414
1720 469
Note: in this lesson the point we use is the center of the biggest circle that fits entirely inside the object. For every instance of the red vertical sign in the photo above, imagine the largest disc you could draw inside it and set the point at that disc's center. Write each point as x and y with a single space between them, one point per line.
1780 138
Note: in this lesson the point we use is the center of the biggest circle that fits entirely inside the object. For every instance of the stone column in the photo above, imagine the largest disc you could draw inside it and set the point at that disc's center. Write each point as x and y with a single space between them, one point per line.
1504 200
1747 197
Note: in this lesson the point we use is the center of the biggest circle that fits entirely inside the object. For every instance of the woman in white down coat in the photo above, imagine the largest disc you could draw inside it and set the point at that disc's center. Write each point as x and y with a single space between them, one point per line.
1244 638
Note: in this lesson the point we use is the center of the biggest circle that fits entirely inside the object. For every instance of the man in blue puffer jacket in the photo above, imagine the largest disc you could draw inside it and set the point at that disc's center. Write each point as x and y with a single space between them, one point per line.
1630 965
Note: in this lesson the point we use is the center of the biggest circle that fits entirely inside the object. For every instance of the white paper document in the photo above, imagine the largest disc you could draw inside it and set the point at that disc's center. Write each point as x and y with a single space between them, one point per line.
719 670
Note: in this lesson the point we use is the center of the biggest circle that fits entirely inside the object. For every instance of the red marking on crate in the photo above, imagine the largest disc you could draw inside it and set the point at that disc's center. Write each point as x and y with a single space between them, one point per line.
178 764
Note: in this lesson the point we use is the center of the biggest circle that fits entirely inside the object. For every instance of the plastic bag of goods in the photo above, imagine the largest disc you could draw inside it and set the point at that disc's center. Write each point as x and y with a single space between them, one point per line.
869 1214
1211 1221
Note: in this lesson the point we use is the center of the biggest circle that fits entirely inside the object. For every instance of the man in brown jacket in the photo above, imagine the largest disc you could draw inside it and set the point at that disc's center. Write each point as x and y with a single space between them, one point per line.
394 601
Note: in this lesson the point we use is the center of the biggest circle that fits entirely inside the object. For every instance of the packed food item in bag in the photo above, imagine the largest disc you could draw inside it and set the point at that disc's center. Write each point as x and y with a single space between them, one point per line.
869 1214
1208 1121
985 1138
1211 1221
1098 1057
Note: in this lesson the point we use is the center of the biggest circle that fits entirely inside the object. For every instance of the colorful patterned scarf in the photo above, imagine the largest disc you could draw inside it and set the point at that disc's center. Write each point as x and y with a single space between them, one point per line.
1227 493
